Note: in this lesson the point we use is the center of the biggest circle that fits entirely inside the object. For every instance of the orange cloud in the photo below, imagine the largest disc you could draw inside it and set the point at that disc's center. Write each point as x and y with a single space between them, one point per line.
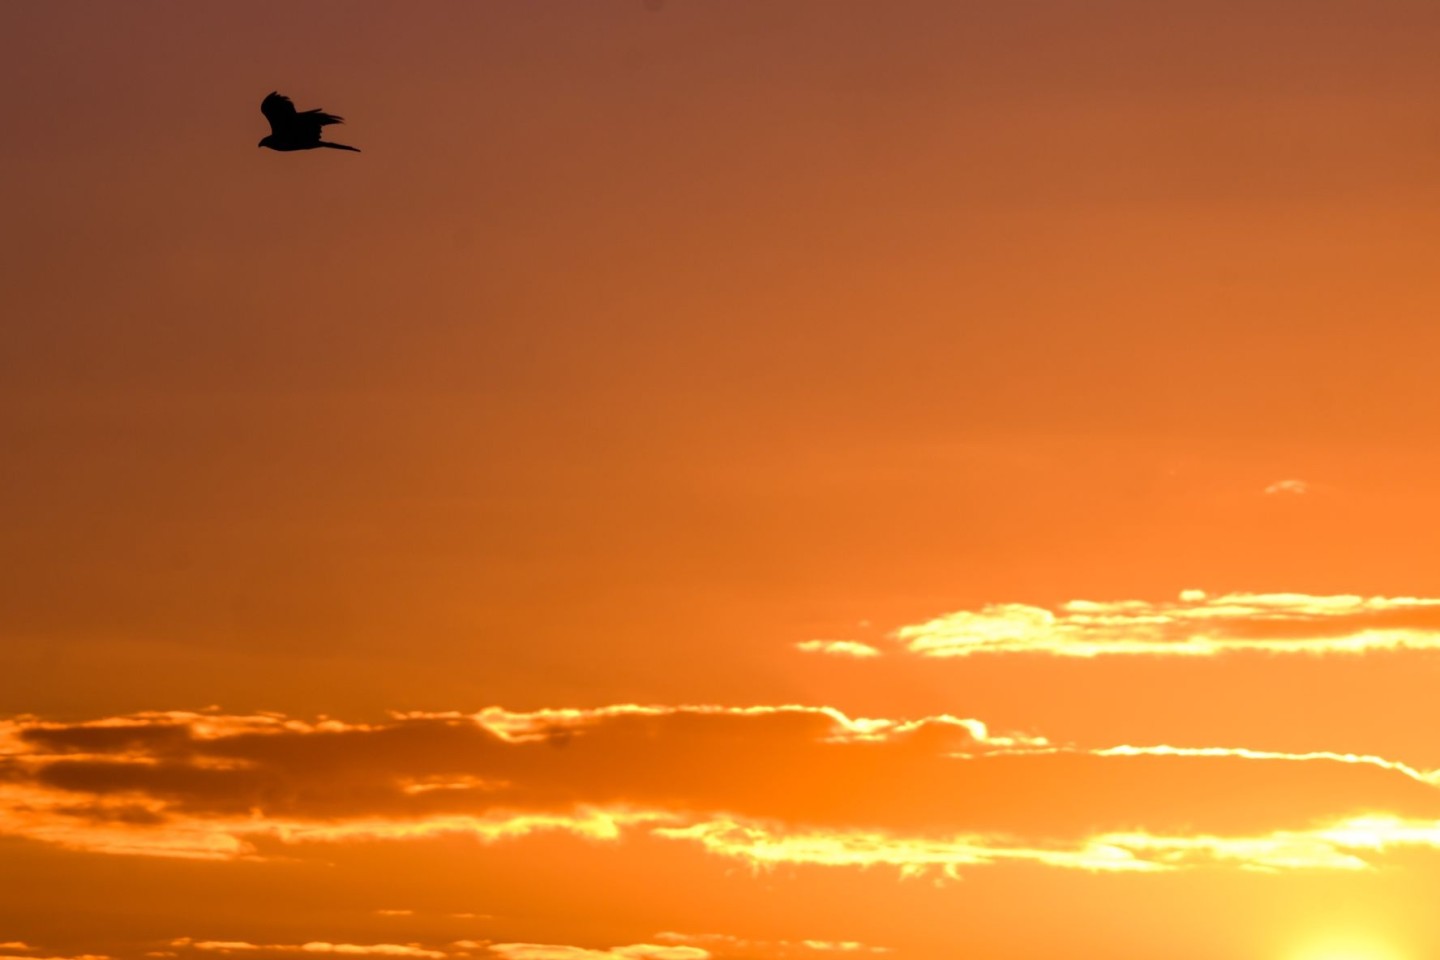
313 947
639 951
1343 845
839 648
668 946
740 948
933 793
1197 625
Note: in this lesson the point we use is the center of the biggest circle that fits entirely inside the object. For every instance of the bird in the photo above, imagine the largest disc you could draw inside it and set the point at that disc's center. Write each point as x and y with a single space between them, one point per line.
290 130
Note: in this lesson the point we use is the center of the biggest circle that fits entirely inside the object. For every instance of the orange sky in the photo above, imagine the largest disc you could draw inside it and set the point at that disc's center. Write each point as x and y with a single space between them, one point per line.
720 481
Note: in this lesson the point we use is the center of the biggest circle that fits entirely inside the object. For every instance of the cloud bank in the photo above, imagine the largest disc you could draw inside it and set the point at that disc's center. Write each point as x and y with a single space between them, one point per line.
1196 625
764 785
668 945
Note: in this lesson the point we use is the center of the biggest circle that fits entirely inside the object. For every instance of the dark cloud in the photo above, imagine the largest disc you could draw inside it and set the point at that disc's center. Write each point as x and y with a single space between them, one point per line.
153 738
809 769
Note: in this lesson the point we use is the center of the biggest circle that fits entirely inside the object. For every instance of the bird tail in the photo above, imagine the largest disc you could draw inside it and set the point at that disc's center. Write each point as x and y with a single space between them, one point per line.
337 146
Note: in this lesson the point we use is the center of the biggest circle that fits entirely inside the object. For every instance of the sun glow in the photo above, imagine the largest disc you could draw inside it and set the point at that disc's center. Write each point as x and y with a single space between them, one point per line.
1346 949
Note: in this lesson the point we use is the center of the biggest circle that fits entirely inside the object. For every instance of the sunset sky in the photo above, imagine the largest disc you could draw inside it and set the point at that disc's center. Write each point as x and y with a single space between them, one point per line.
721 480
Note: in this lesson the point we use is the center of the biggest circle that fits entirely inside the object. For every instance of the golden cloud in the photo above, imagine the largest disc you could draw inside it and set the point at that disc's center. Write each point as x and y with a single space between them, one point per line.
741 947
931 793
314 947
839 648
639 951
1196 625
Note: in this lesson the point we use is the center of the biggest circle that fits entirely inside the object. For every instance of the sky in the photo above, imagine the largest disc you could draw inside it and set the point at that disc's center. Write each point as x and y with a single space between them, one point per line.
720 481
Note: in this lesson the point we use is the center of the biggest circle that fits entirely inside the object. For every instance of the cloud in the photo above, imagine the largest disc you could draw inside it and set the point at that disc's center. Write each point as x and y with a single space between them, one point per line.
208 787
1288 488
1343 845
639 951
741 948
667 946
839 648
313 947
1422 776
456 949
1197 625
930 793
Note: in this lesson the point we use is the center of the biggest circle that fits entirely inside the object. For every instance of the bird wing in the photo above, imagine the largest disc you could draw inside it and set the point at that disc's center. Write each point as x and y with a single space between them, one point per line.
319 118
280 112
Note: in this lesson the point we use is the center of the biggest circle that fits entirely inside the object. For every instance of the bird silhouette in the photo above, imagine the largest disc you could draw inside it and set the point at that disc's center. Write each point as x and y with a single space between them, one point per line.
290 130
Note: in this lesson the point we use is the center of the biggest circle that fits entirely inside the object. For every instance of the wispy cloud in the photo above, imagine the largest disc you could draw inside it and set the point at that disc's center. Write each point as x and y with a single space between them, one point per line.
743 948
1346 844
666 946
1196 625
313 947
1288 488
839 648
639 951
930 793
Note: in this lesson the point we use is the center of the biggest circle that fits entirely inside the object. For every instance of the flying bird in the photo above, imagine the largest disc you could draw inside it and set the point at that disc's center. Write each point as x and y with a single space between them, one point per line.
290 130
